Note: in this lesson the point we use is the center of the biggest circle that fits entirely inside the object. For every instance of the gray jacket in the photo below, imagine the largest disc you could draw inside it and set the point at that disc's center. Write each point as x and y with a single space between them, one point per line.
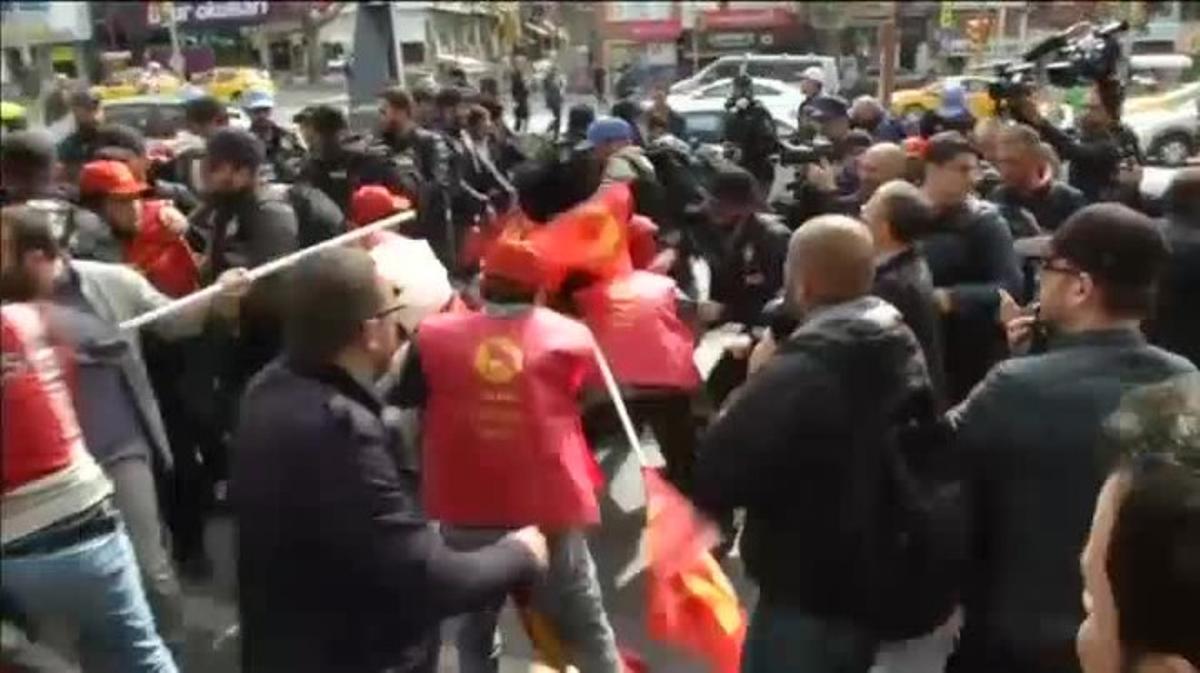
1030 437
118 293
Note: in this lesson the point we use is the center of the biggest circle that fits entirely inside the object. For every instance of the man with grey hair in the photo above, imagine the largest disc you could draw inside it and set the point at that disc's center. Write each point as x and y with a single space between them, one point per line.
868 114
841 374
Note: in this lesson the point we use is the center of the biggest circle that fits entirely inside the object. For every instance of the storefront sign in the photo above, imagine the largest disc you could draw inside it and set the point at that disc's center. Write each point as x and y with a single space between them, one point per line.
730 40
745 19
206 12
644 31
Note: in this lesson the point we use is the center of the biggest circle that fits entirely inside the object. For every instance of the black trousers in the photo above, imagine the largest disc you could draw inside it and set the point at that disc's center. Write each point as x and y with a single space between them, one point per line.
675 418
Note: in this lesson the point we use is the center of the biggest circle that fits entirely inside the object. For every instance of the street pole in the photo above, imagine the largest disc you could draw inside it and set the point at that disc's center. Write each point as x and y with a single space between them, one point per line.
887 60
176 64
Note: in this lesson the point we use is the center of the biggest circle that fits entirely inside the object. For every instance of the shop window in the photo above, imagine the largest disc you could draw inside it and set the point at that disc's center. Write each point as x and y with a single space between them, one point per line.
413 52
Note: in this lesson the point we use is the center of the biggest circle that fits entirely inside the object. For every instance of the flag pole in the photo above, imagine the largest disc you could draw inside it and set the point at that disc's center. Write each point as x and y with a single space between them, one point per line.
614 392
261 271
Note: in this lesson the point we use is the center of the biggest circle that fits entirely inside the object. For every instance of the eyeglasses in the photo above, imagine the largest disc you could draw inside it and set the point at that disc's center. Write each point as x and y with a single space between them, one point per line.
1049 267
388 311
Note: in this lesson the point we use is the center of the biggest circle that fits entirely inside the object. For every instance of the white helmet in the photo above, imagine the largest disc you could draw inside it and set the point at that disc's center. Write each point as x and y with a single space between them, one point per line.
814 73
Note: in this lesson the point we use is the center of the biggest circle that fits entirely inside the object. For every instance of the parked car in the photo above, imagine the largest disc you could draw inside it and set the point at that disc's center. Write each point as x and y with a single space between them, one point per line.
228 84
1169 136
136 82
786 68
707 127
912 103
781 99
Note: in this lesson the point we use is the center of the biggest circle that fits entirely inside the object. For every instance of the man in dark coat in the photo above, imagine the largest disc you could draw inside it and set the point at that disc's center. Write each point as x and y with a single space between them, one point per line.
972 259
1028 182
77 148
1176 323
1030 436
338 568
789 477
898 215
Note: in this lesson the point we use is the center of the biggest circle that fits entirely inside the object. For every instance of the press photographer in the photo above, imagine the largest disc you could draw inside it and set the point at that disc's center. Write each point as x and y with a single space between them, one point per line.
750 128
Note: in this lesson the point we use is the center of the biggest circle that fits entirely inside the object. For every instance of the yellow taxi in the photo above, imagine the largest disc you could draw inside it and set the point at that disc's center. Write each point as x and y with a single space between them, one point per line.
137 82
228 84
912 103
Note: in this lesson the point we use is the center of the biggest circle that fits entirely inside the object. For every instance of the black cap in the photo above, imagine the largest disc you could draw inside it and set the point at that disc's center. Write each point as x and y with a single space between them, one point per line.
827 108
735 185
28 150
1113 243
237 147
84 98
580 116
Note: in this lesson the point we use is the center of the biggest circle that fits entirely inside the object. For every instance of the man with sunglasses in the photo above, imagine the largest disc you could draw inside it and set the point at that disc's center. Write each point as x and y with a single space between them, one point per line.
1029 437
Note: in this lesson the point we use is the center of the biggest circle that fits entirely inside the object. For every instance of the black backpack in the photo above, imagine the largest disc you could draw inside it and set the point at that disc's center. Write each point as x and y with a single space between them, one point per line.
317 217
904 520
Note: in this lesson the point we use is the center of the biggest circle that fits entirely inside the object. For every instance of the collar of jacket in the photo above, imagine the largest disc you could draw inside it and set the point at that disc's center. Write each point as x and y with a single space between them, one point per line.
340 380
1100 337
869 308
894 259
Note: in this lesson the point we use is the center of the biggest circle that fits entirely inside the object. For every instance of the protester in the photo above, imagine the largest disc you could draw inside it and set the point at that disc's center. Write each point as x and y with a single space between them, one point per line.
126 144
67 559
284 150
1044 414
80 144
433 159
973 263
1105 159
203 116
813 399
520 94
57 103
317 468
27 168
1176 323
867 113
899 216
1029 183
552 89
118 411
612 145
1139 579
535 424
424 107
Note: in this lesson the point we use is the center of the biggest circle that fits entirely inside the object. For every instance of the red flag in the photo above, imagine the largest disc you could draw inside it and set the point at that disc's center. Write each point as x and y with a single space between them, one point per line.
692 604
592 237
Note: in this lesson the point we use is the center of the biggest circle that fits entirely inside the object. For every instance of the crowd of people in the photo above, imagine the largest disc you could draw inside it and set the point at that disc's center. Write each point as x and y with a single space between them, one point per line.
955 391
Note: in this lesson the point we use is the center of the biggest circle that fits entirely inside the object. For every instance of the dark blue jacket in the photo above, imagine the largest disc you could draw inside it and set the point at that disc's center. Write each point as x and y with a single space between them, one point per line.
338 568
1030 437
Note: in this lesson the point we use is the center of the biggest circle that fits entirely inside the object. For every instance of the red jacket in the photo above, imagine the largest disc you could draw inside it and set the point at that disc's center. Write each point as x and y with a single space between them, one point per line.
636 324
504 442
39 424
162 255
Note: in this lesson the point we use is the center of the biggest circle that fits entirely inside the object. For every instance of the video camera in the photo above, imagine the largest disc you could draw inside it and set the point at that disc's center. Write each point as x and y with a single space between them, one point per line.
798 155
1093 56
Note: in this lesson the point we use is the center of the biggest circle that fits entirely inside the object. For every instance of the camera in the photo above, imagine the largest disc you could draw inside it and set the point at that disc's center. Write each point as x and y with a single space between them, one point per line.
1012 80
1093 57
798 155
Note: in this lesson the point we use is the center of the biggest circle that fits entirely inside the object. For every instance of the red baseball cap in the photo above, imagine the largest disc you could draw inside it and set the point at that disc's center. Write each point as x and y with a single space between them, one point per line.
109 178
375 202
516 260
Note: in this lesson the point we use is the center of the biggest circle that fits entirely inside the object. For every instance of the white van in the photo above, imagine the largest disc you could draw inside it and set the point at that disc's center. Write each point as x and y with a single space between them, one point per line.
1153 74
784 67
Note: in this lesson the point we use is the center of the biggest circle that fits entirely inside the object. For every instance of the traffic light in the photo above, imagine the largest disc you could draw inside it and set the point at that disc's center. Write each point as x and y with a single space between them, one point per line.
979 29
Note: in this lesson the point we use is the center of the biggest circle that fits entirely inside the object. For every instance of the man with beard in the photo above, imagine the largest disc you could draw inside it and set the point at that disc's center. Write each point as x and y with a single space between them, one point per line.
284 151
317 468
78 147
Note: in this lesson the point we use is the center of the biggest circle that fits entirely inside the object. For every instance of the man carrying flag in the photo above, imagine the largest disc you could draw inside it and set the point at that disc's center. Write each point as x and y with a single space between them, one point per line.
504 447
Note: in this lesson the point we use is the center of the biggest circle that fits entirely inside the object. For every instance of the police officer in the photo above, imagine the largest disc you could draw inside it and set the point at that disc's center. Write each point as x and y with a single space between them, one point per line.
285 152
750 128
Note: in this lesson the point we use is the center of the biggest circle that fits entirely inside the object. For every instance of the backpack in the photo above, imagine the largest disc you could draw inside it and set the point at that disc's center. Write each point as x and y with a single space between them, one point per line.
679 178
904 517
317 217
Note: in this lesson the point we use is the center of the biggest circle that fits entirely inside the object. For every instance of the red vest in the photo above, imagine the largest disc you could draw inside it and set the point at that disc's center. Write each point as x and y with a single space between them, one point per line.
504 442
635 322
39 419
162 255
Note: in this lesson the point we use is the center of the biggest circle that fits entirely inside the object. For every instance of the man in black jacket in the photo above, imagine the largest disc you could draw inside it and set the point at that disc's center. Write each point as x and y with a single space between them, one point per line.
789 477
899 215
203 116
972 259
338 568
1027 181
1030 436
76 149
1176 323
1105 158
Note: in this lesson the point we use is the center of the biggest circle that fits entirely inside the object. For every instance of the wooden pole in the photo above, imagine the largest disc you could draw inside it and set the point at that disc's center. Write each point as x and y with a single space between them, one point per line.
887 59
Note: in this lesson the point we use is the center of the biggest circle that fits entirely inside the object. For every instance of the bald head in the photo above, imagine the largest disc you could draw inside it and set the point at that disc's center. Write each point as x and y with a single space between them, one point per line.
831 259
882 162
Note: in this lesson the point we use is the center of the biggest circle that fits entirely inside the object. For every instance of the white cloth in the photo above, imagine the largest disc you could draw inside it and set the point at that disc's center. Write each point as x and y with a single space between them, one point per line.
422 280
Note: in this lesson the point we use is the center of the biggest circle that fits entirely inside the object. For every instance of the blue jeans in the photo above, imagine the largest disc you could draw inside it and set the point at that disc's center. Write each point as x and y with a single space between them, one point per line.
93 588
784 638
